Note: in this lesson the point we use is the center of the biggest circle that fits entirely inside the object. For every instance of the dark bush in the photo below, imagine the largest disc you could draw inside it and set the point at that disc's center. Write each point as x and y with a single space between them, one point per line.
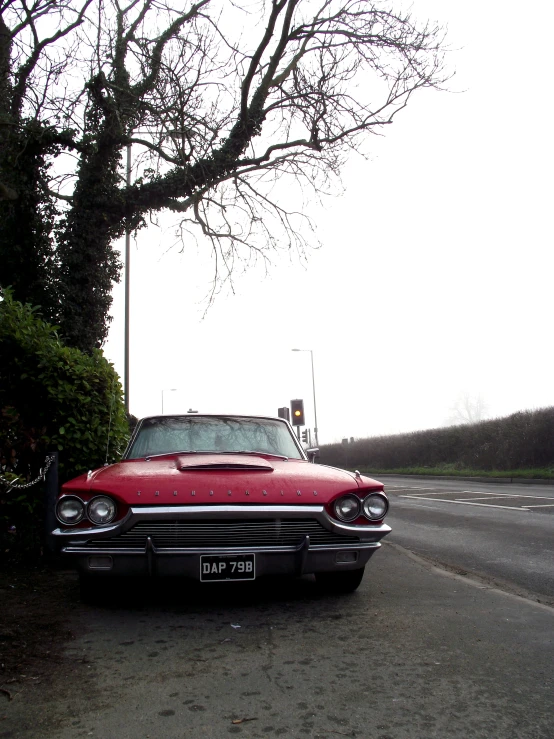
52 398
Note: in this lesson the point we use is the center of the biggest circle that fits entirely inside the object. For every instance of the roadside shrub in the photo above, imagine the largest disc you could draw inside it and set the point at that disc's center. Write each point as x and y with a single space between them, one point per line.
52 398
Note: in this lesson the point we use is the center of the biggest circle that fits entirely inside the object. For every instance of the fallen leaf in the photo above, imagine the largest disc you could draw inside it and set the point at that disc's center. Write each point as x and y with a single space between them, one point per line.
242 720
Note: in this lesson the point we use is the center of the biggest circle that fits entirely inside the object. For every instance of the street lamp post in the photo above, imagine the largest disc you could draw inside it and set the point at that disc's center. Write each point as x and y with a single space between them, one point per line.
313 388
168 390
127 273
127 292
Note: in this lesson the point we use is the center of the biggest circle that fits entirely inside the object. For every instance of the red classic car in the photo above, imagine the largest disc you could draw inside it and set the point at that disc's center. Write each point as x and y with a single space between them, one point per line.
219 498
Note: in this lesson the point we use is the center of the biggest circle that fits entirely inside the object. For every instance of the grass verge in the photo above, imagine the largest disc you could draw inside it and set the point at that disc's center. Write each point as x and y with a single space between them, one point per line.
530 474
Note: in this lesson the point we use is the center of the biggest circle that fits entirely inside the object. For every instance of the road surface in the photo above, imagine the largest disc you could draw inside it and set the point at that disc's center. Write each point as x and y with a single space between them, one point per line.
416 653
499 531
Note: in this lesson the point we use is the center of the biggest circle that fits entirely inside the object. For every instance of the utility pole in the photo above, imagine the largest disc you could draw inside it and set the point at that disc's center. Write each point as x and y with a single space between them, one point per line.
127 292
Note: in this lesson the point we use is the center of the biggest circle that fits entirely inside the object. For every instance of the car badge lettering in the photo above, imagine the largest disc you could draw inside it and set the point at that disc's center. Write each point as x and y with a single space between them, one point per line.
157 492
193 492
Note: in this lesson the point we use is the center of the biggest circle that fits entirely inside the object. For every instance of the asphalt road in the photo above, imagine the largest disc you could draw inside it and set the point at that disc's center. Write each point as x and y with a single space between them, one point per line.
501 532
416 653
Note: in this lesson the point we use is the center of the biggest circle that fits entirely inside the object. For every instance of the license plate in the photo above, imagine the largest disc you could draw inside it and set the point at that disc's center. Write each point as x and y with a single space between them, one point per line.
227 567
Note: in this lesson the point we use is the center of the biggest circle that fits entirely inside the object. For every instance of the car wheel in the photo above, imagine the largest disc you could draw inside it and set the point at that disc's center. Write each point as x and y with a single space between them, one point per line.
340 582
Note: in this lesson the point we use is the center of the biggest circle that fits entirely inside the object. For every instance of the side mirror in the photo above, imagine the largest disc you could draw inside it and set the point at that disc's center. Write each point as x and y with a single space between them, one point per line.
313 454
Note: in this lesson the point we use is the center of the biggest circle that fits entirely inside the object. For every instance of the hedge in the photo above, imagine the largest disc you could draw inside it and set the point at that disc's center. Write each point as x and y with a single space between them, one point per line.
523 440
52 398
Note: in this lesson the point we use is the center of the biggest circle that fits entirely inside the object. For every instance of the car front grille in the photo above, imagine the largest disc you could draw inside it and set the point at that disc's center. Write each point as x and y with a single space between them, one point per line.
234 534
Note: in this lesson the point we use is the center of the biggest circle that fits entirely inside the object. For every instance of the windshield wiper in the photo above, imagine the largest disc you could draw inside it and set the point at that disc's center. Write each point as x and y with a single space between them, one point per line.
181 451
250 451
213 451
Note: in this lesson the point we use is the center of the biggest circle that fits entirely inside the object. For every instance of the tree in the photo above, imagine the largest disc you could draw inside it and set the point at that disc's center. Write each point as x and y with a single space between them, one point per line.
219 102
467 409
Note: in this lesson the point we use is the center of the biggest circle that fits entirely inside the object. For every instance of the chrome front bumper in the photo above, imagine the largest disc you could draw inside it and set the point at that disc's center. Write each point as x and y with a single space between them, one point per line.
78 544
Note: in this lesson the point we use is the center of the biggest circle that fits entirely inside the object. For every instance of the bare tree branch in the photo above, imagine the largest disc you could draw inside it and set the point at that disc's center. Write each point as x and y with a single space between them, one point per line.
228 112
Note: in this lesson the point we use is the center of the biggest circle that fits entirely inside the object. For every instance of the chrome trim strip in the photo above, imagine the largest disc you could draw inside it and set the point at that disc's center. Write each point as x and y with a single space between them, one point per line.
355 546
230 512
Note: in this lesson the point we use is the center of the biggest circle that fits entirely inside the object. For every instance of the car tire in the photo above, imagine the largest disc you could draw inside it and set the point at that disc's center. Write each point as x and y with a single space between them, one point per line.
340 582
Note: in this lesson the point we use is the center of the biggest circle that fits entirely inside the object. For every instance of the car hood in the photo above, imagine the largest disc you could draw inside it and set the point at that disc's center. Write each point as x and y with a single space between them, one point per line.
216 479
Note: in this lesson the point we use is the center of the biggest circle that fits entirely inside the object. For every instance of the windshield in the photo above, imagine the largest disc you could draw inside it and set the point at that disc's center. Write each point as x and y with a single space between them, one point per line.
165 435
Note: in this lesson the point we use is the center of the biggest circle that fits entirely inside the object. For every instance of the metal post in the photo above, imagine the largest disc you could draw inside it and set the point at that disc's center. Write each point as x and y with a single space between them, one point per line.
315 409
169 390
50 495
313 388
127 291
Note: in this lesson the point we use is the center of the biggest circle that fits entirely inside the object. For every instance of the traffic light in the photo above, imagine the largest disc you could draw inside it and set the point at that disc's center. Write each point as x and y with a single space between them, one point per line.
284 412
305 436
297 412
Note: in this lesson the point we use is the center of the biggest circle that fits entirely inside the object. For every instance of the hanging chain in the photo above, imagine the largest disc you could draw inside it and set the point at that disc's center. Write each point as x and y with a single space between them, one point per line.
12 484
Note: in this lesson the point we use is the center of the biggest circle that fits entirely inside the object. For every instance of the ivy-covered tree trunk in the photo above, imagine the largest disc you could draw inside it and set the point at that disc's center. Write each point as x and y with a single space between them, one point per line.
28 262
88 264
26 209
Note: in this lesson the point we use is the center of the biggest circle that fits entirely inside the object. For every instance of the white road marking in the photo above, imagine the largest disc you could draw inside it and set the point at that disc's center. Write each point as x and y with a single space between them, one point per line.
406 487
543 505
466 502
511 495
495 496
440 492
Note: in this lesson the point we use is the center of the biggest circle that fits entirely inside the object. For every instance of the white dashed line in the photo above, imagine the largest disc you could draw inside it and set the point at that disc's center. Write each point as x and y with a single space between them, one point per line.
508 495
493 496
405 487
466 502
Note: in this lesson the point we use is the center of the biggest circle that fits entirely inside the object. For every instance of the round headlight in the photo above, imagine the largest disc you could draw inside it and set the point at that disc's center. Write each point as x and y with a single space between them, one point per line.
375 506
70 510
101 510
347 508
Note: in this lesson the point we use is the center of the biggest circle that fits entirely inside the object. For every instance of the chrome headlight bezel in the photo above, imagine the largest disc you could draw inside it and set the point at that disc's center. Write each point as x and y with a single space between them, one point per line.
70 499
371 498
91 510
356 509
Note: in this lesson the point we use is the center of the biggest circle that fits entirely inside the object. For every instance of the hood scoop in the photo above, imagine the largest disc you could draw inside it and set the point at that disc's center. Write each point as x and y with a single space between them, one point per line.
208 462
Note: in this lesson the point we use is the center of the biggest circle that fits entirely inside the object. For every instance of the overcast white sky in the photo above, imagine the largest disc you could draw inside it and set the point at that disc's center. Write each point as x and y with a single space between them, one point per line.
434 277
